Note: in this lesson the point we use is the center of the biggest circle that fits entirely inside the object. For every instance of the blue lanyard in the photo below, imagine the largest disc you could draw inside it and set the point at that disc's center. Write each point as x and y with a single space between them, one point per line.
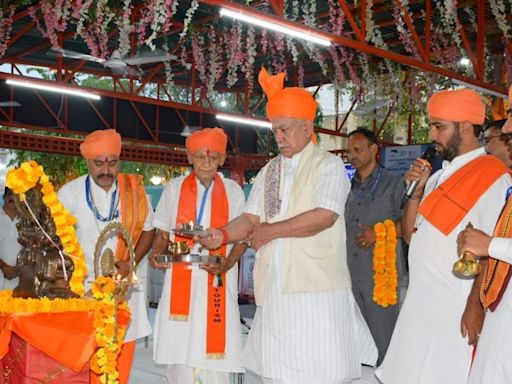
201 209
113 213
374 186
509 192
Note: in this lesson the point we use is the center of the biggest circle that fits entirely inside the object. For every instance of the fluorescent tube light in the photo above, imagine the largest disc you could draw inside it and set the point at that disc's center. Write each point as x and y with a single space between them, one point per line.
480 89
275 27
53 88
244 120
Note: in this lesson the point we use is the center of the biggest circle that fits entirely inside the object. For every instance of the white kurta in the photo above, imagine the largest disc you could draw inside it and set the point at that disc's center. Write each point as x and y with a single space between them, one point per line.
427 346
314 337
72 195
9 248
184 342
492 359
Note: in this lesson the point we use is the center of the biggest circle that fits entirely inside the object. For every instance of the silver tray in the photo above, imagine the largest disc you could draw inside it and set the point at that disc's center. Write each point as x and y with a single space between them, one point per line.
190 232
190 258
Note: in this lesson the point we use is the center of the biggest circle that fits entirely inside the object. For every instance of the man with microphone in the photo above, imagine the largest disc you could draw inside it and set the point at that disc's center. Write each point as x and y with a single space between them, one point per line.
429 343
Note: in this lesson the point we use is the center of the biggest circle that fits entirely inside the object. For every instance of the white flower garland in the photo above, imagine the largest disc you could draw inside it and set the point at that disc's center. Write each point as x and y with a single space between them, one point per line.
251 58
124 26
214 60
188 17
83 17
169 75
498 10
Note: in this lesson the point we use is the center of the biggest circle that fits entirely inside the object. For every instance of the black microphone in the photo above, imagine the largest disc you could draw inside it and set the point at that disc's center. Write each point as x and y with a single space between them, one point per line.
429 154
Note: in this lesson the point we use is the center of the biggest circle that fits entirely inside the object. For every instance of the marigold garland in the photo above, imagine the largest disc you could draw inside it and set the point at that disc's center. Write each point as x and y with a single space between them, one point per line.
8 304
384 264
26 177
110 327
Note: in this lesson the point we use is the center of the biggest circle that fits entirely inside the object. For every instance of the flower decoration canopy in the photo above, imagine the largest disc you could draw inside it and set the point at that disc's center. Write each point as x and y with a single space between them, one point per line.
160 65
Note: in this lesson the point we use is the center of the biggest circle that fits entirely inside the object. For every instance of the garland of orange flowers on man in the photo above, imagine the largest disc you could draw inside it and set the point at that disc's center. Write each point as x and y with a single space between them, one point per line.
106 306
384 264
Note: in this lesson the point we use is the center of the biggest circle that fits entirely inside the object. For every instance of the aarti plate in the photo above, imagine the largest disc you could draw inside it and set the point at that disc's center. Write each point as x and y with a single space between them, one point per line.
193 258
190 232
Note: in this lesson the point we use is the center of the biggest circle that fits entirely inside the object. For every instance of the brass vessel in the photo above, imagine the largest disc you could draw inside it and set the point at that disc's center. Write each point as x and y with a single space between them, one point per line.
178 248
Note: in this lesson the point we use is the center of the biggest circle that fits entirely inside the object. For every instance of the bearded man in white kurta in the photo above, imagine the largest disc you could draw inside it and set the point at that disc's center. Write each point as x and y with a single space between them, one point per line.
492 359
198 343
307 327
103 196
429 344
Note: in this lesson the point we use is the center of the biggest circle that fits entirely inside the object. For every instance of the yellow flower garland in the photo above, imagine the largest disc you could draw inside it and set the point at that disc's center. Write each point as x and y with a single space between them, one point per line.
8 304
109 332
26 177
384 264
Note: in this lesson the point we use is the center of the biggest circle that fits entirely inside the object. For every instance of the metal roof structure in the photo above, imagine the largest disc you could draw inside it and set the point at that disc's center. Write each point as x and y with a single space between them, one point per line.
380 48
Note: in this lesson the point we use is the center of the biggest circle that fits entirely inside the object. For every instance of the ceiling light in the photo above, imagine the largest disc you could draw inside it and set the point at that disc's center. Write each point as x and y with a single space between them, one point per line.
244 120
53 88
275 27
480 89
464 61
156 180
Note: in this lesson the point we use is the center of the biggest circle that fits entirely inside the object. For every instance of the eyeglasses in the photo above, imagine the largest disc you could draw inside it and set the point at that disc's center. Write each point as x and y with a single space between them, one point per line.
488 139
214 157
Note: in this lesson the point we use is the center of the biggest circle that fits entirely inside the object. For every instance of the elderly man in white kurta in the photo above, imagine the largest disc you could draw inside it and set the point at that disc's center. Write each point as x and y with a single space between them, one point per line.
188 338
429 344
103 196
307 327
492 359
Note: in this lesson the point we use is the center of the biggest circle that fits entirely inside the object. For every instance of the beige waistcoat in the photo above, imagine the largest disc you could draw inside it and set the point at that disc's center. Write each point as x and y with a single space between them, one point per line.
311 264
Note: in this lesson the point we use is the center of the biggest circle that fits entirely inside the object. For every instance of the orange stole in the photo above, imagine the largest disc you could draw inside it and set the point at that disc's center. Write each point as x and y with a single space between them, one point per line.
182 275
448 204
134 209
498 272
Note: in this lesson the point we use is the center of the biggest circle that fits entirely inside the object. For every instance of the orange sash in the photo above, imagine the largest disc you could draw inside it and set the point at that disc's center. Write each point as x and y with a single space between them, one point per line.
498 272
134 209
448 204
182 275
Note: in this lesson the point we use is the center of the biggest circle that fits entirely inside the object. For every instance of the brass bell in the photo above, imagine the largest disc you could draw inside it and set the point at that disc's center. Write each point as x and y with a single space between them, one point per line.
108 263
467 267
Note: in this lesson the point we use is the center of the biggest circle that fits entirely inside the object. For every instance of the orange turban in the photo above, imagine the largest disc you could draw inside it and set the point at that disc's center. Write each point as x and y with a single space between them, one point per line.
288 102
211 138
101 142
460 105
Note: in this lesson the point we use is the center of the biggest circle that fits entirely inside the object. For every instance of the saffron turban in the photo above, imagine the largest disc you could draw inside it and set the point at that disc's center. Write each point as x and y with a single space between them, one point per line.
101 142
214 139
287 102
460 105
